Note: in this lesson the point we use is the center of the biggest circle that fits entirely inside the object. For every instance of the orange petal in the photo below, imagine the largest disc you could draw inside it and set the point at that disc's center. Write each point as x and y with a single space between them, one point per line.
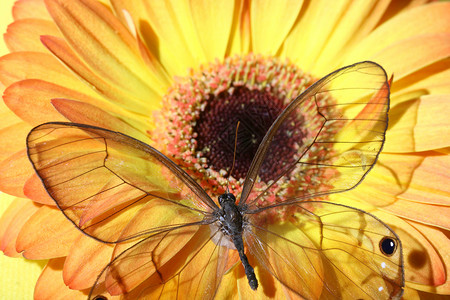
35 191
30 9
439 242
26 65
11 222
123 97
421 20
85 113
51 286
14 171
394 178
85 261
29 99
431 130
418 125
213 22
429 181
433 79
47 234
12 138
268 31
23 35
417 52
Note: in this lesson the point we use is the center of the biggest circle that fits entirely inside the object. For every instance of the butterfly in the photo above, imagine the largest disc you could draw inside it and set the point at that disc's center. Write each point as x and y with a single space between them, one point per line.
172 240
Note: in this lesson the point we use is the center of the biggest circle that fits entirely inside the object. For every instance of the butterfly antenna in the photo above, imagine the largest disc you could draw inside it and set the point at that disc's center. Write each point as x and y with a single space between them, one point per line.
234 157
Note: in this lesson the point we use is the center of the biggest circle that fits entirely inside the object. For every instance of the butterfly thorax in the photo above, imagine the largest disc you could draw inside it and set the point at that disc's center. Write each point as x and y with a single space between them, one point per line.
231 222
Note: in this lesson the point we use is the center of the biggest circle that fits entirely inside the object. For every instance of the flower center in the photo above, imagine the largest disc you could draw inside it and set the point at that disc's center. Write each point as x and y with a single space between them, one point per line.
202 112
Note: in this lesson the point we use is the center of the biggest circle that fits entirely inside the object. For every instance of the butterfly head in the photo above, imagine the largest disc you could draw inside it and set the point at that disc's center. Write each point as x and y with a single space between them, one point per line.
226 198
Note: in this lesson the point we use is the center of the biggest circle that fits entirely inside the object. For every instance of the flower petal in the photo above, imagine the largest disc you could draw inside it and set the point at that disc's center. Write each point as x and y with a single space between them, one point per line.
240 31
421 20
431 130
213 22
14 172
35 191
396 177
12 137
106 46
85 261
433 79
26 65
179 46
11 222
418 125
30 9
440 243
417 52
122 97
55 237
51 286
23 35
358 21
270 23
85 113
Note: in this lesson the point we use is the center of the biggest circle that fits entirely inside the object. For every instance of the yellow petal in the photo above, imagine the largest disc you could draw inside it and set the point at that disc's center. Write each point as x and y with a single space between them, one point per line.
271 22
213 22
357 22
105 45
179 46
309 35
23 35
240 35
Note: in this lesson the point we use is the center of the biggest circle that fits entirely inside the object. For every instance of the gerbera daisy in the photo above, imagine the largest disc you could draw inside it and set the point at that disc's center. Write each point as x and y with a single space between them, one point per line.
160 71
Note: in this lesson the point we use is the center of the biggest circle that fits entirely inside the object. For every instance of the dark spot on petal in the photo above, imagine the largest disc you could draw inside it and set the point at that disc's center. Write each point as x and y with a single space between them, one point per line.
417 259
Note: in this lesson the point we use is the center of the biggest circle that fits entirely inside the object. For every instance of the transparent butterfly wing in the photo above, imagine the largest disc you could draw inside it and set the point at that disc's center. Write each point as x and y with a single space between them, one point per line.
332 143
103 181
173 264
328 251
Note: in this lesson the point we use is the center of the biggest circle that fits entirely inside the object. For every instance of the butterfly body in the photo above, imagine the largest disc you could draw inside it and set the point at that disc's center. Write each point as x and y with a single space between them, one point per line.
232 221
172 240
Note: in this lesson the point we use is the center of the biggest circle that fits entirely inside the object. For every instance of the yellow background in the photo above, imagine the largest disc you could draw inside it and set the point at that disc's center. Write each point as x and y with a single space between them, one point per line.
17 275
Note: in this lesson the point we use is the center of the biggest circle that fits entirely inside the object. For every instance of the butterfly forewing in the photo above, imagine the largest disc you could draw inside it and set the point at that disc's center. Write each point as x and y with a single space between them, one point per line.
325 141
328 251
101 180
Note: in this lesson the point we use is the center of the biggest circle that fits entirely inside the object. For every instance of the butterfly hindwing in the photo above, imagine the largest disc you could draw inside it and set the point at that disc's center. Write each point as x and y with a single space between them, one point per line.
329 251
